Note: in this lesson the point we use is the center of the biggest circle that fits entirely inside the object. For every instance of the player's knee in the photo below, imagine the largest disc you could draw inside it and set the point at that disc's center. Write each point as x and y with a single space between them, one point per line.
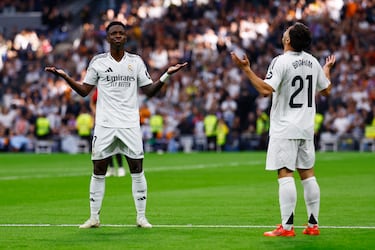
135 169
135 165
306 173
284 172
100 167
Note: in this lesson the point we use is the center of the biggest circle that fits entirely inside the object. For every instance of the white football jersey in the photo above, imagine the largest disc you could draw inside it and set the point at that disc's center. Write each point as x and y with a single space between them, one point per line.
295 77
117 83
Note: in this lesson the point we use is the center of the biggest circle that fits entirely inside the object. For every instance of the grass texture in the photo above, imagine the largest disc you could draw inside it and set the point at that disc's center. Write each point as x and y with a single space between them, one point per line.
195 201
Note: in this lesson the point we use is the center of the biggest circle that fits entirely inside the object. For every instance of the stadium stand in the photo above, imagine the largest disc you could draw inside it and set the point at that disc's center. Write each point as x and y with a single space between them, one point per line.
368 141
201 32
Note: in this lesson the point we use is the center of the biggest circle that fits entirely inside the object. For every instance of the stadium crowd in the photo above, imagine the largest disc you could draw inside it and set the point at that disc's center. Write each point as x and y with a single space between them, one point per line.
209 106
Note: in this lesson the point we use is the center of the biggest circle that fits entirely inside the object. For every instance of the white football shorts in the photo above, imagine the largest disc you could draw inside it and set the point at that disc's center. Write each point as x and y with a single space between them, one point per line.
110 141
290 153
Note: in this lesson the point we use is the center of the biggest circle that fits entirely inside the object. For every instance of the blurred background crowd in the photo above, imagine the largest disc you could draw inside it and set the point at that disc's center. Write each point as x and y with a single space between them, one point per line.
209 106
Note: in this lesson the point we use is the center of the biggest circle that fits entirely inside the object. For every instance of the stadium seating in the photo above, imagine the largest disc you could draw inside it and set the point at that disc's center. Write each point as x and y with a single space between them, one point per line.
83 146
43 146
328 142
368 141
367 144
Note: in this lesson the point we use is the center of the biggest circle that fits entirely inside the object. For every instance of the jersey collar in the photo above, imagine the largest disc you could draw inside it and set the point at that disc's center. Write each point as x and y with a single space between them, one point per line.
291 52
123 58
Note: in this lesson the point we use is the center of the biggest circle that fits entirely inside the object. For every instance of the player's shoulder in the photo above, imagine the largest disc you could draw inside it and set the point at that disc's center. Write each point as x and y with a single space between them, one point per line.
278 60
312 58
98 57
101 56
134 57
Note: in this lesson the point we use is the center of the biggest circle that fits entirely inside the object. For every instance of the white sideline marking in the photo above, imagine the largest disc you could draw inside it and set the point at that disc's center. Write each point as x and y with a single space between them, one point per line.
182 226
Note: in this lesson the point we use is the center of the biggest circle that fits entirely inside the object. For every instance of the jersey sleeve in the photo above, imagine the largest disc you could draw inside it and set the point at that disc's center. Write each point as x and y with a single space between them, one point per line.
274 73
323 81
143 77
91 76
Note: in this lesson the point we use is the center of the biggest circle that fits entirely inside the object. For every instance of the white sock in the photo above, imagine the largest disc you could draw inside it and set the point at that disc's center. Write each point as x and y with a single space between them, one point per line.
312 199
287 200
97 188
139 188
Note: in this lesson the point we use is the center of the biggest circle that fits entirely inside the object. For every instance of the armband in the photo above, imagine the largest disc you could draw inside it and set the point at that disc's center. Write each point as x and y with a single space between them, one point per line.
164 77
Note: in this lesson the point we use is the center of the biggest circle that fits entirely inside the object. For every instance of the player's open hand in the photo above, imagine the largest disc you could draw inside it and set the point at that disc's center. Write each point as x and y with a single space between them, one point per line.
330 61
173 69
241 63
53 70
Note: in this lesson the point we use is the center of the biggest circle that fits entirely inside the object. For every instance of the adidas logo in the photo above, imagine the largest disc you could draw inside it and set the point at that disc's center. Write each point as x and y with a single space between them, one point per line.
109 70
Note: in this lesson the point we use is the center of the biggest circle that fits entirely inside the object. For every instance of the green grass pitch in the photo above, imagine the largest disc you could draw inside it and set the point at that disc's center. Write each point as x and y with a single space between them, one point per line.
195 201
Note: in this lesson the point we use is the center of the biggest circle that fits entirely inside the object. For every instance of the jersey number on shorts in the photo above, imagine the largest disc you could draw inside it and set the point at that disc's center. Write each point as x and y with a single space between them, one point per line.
300 84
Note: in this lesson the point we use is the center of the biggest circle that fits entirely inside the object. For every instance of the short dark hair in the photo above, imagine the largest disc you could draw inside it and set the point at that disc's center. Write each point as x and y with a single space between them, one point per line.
113 23
300 37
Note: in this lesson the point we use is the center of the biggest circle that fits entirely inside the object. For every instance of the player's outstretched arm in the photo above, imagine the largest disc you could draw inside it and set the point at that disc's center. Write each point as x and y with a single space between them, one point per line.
151 89
82 89
244 64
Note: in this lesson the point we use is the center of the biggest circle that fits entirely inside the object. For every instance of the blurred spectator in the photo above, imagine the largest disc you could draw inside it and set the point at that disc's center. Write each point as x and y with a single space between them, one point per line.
222 133
19 143
262 128
202 33
319 118
85 124
199 134
158 58
4 138
7 116
22 125
20 134
341 123
228 108
144 113
26 43
248 138
42 127
186 132
210 129
157 130
3 51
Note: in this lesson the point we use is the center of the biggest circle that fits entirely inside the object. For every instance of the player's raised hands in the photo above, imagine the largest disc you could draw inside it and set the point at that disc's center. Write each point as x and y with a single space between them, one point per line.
241 63
173 69
55 71
330 61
